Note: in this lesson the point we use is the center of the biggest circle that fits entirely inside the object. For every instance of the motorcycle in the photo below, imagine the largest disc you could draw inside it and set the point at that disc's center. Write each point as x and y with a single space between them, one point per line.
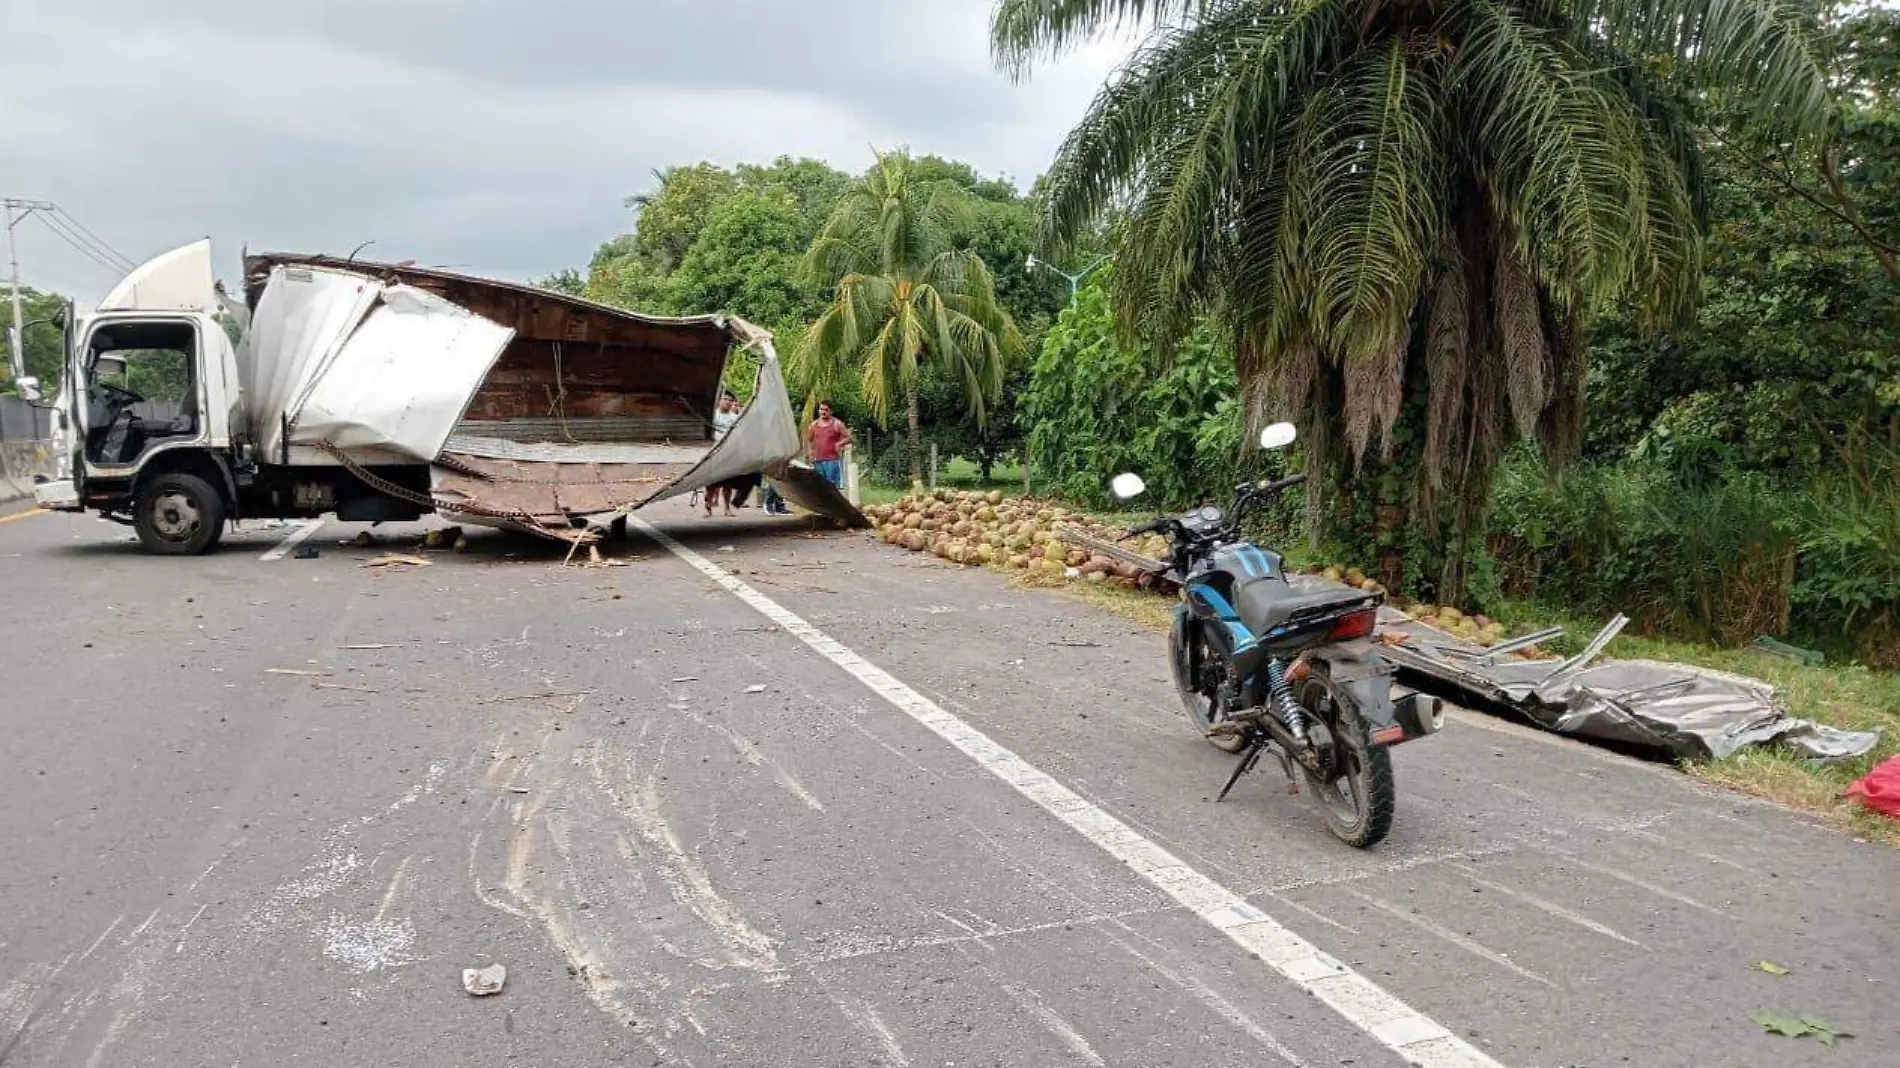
1263 667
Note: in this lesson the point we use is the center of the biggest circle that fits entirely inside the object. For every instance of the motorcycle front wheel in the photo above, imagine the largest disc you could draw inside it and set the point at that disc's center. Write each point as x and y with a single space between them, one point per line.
1359 801
1197 677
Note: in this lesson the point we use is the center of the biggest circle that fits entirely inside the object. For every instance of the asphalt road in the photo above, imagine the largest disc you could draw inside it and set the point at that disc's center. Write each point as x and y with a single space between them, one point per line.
264 812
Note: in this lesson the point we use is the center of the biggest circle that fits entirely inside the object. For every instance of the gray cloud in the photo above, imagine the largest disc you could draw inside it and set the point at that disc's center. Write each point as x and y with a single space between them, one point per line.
495 136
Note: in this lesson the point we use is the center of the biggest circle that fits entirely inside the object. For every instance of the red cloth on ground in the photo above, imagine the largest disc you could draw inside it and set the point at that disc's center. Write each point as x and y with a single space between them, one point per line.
1880 790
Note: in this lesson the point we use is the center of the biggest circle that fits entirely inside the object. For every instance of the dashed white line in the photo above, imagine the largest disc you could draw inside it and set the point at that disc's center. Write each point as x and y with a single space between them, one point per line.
292 540
1389 1021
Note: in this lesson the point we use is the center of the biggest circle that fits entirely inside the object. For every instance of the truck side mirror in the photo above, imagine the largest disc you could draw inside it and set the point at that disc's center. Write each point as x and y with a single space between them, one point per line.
107 366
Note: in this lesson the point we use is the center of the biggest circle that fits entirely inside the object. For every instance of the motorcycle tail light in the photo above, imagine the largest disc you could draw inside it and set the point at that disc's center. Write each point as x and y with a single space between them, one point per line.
1357 625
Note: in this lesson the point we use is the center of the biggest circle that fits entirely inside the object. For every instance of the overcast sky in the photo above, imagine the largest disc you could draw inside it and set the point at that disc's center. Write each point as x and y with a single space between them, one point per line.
498 136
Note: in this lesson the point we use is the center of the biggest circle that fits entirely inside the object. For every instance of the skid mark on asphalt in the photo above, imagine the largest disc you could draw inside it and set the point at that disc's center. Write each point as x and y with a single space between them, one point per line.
1551 907
1207 995
865 1018
1433 927
1640 884
1360 1001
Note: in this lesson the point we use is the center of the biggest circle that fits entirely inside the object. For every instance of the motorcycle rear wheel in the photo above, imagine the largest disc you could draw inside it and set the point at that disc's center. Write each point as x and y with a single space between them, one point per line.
1358 804
1191 663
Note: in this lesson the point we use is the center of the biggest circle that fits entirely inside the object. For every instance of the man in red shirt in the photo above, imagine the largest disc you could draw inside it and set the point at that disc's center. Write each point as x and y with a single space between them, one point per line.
823 440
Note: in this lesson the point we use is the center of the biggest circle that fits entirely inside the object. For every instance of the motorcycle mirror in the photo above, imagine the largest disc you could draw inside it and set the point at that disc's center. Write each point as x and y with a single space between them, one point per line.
1127 486
1278 436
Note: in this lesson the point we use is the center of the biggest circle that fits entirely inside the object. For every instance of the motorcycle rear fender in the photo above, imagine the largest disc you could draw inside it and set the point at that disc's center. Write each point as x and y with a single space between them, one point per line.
1366 677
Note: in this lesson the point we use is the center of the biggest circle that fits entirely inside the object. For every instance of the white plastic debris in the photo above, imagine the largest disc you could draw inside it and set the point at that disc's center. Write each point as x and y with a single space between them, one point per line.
755 688
482 982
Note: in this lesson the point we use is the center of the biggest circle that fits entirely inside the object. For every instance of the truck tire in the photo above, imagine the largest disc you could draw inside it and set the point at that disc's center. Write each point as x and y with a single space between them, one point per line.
178 514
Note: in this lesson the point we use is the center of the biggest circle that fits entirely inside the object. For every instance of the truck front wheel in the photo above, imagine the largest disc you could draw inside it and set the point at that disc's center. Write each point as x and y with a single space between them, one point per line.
178 515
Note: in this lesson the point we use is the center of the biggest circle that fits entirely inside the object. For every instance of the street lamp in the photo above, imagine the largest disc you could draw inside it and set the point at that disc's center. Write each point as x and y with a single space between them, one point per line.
1075 280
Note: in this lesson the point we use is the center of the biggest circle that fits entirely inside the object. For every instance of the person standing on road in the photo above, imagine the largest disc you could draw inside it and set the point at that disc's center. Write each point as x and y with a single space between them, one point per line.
724 416
825 439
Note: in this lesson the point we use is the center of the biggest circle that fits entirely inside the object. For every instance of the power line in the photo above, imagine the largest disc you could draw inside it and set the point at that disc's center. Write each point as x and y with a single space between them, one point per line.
96 239
46 218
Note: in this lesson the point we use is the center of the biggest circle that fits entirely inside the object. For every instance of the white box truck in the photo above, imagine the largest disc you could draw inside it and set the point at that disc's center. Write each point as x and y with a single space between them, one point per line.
383 392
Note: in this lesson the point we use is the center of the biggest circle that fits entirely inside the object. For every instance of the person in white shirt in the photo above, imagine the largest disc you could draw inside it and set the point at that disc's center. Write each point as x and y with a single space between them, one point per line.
724 416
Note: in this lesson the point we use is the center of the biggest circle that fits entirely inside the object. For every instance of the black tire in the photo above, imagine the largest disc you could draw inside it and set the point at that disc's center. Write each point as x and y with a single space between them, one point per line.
1185 650
178 514
1358 805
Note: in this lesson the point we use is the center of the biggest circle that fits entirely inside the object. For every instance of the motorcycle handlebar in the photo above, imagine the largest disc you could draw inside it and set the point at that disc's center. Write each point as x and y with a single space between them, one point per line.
1279 484
1144 528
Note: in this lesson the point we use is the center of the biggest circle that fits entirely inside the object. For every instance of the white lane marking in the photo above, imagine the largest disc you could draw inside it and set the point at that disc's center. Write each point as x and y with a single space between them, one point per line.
1365 1005
291 541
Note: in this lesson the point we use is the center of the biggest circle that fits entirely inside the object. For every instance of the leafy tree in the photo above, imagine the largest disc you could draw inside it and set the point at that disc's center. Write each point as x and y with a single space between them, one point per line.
671 216
41 338
1095 407
1409 212
902 294
568 281
746 262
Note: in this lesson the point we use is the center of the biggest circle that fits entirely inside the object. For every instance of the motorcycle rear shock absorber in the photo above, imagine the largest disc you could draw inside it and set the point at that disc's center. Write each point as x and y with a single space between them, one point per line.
1284 704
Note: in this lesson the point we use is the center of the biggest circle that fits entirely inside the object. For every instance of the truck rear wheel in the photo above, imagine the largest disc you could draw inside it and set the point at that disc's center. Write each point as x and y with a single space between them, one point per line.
178 514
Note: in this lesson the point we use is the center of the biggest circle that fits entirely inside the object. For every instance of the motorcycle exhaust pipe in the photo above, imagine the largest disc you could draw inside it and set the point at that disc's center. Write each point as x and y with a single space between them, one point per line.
1420 714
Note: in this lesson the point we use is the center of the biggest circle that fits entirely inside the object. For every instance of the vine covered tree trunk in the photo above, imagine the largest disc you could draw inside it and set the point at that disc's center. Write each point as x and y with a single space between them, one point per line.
916 444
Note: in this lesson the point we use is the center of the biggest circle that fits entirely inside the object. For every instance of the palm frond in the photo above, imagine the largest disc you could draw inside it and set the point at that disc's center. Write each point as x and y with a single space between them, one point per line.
1021 30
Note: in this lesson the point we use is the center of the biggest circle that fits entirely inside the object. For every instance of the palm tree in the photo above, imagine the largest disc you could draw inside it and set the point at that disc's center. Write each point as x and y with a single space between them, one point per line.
1423 199
903 293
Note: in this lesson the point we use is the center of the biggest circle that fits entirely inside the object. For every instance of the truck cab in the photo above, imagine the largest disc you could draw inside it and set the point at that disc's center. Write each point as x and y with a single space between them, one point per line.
147 407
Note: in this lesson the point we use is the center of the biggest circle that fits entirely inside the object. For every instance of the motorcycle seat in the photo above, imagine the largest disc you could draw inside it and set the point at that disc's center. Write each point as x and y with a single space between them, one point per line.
1266 604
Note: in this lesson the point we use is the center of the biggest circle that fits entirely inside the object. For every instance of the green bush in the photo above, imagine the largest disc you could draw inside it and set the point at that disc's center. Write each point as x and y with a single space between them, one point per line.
1094 408
1723 560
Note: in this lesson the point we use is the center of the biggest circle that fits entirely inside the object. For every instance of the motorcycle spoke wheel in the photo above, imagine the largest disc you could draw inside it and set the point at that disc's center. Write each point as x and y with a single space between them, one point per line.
1358 802
1197 681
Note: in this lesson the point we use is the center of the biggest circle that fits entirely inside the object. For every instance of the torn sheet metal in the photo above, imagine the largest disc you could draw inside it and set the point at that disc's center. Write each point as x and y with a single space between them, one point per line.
337 357
1669 710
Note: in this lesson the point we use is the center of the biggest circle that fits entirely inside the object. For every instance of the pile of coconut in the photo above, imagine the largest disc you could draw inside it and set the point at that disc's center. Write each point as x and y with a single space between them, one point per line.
1474 628
1023 533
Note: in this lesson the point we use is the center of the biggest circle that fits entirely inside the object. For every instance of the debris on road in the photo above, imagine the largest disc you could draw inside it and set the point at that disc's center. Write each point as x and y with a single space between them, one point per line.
306 552
1673 710
363 540
549 696
374 645
755 688
686 678
309 673
441 538
727 549
1799 1025
340 686
397 560
482 982
1771 968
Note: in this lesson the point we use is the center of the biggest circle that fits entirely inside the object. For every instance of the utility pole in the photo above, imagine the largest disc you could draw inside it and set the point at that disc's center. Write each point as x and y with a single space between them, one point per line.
1075 280
16 339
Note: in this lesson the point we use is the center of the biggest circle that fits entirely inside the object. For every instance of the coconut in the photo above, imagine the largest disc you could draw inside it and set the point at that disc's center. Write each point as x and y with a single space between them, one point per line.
986 514
914 541
1095 576
913 521
1372 586
1019 560
1095 565
1448 612
993 497
1333 574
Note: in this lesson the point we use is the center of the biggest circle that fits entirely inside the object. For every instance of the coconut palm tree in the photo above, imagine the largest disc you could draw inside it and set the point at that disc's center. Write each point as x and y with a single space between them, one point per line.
1423 199
903 293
